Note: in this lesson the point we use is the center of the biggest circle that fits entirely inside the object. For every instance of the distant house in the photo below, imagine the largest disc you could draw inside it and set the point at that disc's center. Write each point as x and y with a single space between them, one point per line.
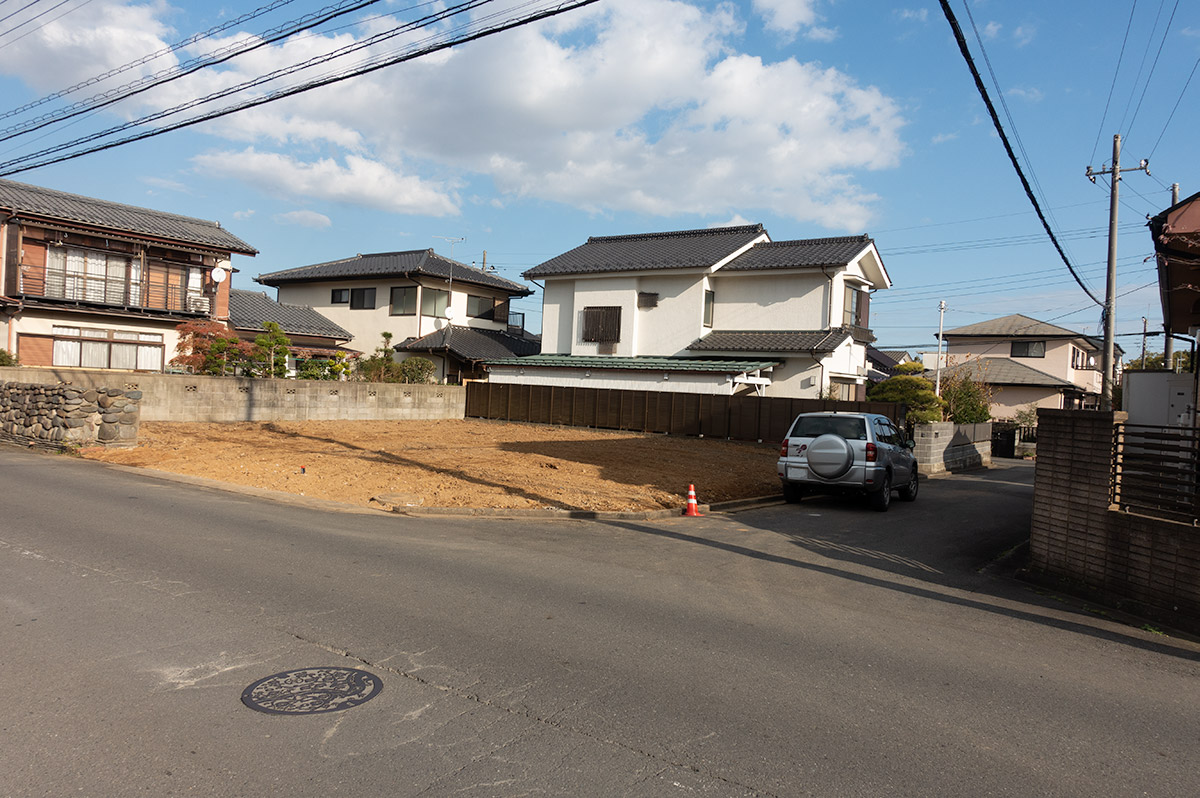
882 363
96 284
413 295
1027 362
723 310
312 335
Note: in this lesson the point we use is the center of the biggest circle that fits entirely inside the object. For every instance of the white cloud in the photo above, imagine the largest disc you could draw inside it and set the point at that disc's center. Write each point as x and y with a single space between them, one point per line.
787 16
1033 95
242 215
991 30
1024 34
311 219
941 138
630 105
737 220
164 184
359 181
912 14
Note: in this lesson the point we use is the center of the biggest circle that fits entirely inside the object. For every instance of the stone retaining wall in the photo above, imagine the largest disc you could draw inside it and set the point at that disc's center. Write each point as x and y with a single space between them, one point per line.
64 415
946 446
184 397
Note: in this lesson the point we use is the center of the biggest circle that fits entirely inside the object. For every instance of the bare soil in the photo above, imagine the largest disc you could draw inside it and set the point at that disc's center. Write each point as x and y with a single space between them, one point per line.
451 463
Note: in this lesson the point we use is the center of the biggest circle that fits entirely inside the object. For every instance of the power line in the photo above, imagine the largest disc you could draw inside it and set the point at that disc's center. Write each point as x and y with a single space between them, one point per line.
966 53
1153 66
44 24
162 77
1111 88
34 18
1175 108
146 58
370 66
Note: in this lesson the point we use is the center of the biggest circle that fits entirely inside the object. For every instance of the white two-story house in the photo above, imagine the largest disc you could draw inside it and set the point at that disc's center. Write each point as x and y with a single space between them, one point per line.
722 310
432 306
1028 362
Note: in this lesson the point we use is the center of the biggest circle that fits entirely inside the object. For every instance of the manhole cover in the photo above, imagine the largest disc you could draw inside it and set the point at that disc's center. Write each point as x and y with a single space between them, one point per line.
309 691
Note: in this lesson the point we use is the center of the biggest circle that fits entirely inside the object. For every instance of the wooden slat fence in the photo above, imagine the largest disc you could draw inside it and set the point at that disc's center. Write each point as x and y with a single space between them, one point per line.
1156 471
743 418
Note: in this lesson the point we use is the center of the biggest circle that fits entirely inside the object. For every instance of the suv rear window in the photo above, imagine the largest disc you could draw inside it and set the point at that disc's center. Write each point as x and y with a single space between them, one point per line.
852 429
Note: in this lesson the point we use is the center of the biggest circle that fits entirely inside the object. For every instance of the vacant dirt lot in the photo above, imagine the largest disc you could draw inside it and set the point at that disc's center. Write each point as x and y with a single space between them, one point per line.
459 463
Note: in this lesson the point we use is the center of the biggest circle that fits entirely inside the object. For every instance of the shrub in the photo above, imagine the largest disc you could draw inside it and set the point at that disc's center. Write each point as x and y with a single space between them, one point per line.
417 370
8 359
208 347
967 401
916 392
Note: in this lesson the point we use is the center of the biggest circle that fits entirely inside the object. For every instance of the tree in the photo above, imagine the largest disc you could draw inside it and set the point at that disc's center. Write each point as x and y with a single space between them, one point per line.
8 359
381 365
1156 360
323 369
967 400
416 369
209 347
270 356
1027 415
909 389
911 367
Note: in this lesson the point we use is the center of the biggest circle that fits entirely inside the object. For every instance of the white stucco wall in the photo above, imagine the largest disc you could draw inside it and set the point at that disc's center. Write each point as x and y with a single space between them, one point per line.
558 317
770 301
679 318
1007 401
40 321
607 292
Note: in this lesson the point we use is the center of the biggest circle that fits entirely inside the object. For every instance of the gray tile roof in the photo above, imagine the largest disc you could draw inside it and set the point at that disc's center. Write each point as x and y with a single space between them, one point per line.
415 262
809 252
20 198
249 309
683 249
1005 371
1013 326
770 340
636 363
470 343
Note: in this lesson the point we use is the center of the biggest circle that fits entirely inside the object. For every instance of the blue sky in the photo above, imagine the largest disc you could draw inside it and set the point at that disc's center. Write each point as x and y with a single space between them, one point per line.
814 117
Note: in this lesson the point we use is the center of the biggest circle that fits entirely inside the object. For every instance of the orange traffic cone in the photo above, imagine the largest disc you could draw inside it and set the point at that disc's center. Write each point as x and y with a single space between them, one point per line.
693 509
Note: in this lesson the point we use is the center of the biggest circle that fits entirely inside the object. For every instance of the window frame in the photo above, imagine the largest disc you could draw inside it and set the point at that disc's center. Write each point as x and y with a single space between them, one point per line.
710 303
487 315
407 289
429 298
601 324
67 337
339 296
362 298
1030 349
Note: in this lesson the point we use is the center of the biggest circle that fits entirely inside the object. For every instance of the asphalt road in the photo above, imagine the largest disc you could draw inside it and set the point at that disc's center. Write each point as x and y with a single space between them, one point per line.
819 649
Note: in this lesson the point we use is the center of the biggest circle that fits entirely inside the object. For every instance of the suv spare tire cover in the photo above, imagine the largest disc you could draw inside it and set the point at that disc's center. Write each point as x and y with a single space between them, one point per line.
830 456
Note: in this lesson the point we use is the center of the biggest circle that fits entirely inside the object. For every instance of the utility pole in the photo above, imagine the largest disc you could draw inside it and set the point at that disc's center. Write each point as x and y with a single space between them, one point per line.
1168 341
1110 289
1143 343
937 382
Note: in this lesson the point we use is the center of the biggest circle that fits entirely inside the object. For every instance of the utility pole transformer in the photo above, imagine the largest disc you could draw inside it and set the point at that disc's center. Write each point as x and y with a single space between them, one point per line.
1110 290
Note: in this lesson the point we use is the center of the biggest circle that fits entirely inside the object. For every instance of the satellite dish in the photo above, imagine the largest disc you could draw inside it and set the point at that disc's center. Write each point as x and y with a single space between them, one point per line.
218 275
450 314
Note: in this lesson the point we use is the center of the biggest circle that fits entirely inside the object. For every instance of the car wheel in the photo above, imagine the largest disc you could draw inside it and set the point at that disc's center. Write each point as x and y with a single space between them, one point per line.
882 498
909 492
792 494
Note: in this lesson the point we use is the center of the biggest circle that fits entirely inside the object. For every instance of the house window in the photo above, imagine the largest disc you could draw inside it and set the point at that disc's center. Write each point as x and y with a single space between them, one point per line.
434 302
852 310
82 347
1081 359
481 307
602 324
362 298
647 299
1028 349
710 299
404 300
339 296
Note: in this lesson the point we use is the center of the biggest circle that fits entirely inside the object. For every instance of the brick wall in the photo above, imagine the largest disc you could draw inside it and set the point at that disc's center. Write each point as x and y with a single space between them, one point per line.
177 397
946 446
1079 536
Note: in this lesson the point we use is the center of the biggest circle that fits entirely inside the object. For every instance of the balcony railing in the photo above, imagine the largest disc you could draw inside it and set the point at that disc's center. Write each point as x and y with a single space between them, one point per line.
102 291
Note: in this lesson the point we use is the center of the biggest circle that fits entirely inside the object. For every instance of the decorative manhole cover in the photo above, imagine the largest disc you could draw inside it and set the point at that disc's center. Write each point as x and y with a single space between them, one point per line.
309 691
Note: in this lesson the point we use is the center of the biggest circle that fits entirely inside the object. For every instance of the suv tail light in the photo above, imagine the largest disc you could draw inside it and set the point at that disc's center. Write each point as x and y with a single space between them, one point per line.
871 452
783 448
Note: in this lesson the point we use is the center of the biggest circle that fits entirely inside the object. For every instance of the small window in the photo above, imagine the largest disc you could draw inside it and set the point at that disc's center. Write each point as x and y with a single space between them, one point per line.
404 300
481 307
602 324
1028 348
710 299
339 296
647 299
434 302
851 311
362 298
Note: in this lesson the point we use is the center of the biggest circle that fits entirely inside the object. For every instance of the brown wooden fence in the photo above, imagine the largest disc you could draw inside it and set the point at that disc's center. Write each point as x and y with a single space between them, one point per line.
743 418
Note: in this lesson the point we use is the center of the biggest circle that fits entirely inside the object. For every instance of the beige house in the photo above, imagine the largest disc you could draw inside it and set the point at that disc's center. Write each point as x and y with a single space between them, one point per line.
718 311
1027 362
88 283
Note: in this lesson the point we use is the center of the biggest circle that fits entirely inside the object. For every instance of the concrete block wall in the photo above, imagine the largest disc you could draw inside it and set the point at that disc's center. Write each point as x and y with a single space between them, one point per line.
63 415
946 446
180 397
1078 535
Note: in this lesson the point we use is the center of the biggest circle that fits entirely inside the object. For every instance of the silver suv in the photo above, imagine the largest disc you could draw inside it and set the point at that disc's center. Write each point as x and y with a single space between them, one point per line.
847 452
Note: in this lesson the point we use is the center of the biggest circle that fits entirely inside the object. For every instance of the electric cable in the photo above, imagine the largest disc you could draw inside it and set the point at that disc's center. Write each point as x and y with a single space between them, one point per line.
44 24
966 53
1113 86
1153 66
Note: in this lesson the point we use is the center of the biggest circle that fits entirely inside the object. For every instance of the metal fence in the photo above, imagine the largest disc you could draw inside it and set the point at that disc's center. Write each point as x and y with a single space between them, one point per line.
1156 471
743 418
